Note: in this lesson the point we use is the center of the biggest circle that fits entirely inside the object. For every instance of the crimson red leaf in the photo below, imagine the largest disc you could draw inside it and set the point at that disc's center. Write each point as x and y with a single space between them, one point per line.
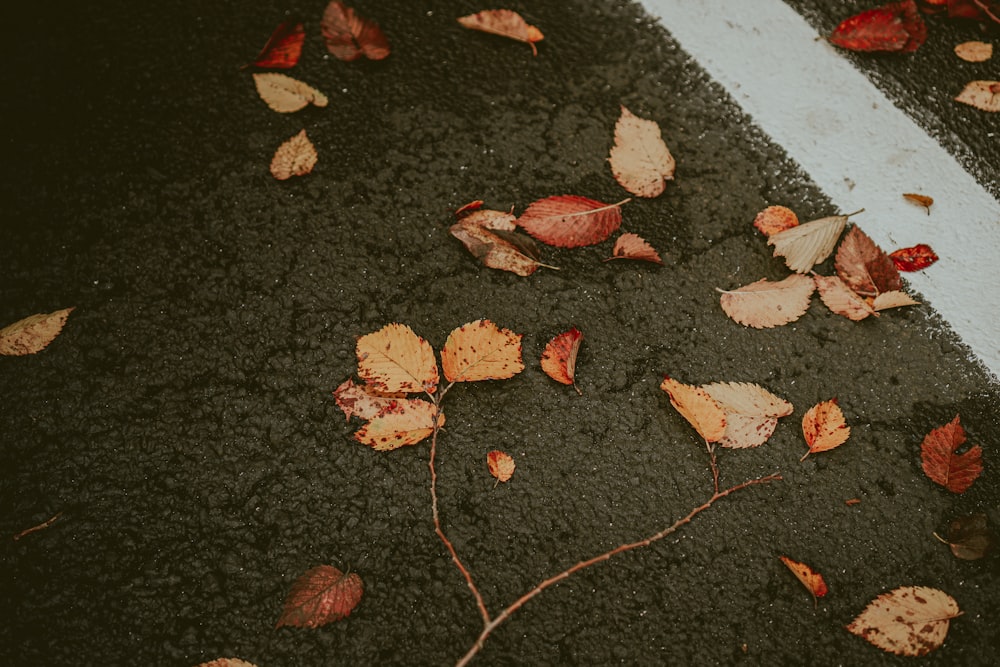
570 221
284 47
349 36
913 258
322 595
896 26
955 472
559 357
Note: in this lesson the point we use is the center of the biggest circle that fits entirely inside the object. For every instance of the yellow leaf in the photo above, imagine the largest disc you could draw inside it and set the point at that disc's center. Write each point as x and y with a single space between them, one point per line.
640 161
409 422
698 408
284 94
32 334
480 350
824 427
394 358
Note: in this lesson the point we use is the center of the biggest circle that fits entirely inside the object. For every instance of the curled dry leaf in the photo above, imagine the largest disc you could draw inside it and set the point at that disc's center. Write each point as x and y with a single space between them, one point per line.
559 357
698 408
633 246
362 400
984 95
500 465
955 472
913 258
808 244
481 350
824 427
895 27
488 218
394 358
865 267
911 620
295 157
349 36
32 334
496 248
640 161
751 411
284 94
283 49
919 200
839 298
969 537
812 580
774 219
765 304
505 23
227 662
893 299
571 221
405 421
974 52
322 595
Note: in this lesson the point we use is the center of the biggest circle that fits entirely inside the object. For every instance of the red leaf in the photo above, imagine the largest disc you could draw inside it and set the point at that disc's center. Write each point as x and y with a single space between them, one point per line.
865 267
570 221
913 258
896 26
633 246
955 472
348 36
322 595
500 465
559 357
810 578
284 47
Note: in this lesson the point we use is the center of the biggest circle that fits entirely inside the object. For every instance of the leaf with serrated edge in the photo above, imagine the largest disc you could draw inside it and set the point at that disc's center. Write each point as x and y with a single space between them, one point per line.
698 408
808 244
640 161
571 221
774 219
840 299
955 472
500 465
322 595
751 412
481 350
490 219
394 358
410 421
824 427
559 357
894 299
864 267
506 23
284 94
362 400
493 250
983 95
911 620
227 662
32 334
766 304
295 157
633 246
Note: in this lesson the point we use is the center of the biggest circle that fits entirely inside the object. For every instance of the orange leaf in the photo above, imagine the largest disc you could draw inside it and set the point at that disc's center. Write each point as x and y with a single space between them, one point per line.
633 246
764 304
640 161
406 421
955 472
806 245
394 358
284 94
824 427
920 200
839 298
911 620
322 595
501 465
481 350
974 52
496 248
698 408
983 95
284 47
32 334
349 36
752 412
362 400
505 23
559 357
812 580
774 219
570 221
864 267
295 157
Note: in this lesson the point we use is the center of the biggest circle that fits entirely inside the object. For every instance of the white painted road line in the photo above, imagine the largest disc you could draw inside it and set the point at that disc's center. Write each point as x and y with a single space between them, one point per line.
859 149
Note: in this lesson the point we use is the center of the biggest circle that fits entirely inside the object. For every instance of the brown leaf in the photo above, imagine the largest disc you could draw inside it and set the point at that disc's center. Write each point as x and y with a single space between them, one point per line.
774 219
498 249
322 595
571 221
640 161
698 408
808 244
633 246
984 95
362 400
500 465
481 350
295 157
284 47
284 94
974 52
824 427
911 620
488 218
406 421
765 304
955 472
970 538
812 580
865 267
559 357
394 358
32 334
349 36
919 200
505 23
752 412
839 298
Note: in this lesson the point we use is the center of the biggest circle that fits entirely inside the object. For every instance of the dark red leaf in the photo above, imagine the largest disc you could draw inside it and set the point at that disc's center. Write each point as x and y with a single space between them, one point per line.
570 221
896 26
349 36
322 595
914 258
955 472
284 47
865 267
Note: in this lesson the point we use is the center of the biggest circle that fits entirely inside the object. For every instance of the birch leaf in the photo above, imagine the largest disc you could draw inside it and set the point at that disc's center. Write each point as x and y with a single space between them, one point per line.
983 95
911 620
407 422
808 244
839 298
571 221
322 595
752 412
500 464
295 157
640 160
284 94
824 427
765 304
698 408
32 334
633 246
505 23
865 267
893 299
394 358
774 219
481 350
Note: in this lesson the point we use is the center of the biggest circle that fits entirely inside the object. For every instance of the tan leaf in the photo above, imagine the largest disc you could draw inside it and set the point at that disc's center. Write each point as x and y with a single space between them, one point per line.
698 408
285 94
751 412
765 304
32 334
395 358
640 161
505 23
774 219
321 595
295 157
490 219
481 350
633 246
893 299
498 248
911 620
362 400
808 244
839 298
974 52
984 95
410 421
500 464
227 662
824 427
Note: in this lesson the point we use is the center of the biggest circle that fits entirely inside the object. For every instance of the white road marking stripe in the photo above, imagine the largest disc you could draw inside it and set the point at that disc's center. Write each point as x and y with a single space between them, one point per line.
859 149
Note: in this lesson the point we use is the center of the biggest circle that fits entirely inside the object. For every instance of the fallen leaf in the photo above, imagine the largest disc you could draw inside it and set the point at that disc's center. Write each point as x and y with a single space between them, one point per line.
481 350
896 26
32 334
505 23
852 501
394 358
812 580
914 258
406 421
808 244
984 95
751 411
919 200
571 221
488 218
865 267
911 620
633 246
284 47
955 472
774 219
295 157
227 662
766 304
969 537
893 299
640 161
349 36
839 298
322 595
974 52
465 209
284 94
559 357
362 400
498 249
824 427
501 465
698 408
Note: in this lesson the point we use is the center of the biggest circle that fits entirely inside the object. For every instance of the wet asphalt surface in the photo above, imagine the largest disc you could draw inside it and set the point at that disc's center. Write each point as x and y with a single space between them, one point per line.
183 422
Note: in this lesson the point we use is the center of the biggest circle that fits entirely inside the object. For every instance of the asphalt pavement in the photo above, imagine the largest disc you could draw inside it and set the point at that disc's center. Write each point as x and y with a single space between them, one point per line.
183 427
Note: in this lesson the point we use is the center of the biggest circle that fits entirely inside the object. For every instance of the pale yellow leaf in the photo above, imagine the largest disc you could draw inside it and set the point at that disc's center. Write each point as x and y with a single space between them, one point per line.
893 299
506 23
984 95
765 304
839 298
32 334
911 620
295 157
411 421
490 219
824 427
808 244
362 400
640 160
974 52
284 94
698 408
395 358
751 412
481 350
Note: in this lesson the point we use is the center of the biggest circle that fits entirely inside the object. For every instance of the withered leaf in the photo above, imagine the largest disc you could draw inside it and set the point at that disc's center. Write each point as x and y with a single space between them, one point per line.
284 94
911 620
481 350
640 160
865 267
774 219
752 412
571 221
698 408
824 427
500 464
227 662
894 27
284 47
633 246
893 299
559 357
394 358
295 157
498 249
406 421
914 258
349 36
970 538
32 334
974 52
766 304
322 595
488 218
362 400
806 245
812 580
919 200
839 298
505 23
955 472
983 95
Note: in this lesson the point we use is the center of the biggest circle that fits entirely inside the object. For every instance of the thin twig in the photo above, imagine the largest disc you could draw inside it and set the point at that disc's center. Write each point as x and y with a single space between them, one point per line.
42 526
